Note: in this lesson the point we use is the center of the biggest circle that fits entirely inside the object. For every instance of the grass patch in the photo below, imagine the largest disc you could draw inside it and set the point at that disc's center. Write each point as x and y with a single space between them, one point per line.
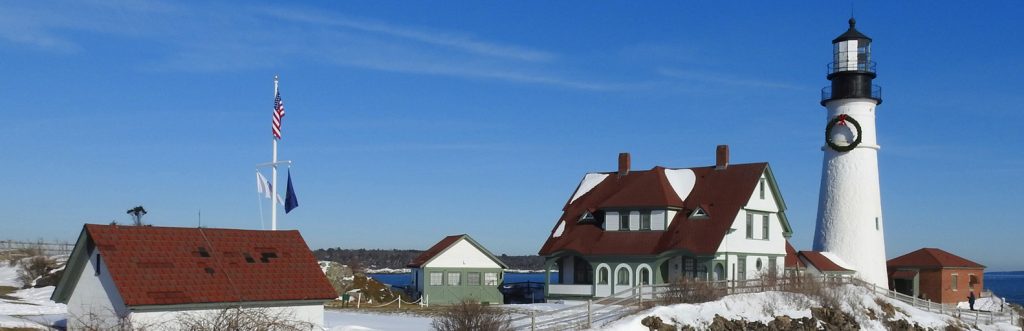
5 290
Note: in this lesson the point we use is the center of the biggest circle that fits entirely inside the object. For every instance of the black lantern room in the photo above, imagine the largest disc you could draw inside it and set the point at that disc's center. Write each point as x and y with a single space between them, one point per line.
851 69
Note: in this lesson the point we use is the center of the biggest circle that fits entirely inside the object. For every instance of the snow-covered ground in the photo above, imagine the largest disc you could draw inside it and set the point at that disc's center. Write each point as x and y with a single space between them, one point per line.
765 306
34 309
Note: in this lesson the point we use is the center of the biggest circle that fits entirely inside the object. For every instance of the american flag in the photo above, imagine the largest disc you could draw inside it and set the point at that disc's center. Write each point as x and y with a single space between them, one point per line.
278 115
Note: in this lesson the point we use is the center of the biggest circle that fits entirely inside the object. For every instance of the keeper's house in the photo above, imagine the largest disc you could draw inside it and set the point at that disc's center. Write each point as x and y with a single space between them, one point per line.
156 278
936 275
455 269
627 228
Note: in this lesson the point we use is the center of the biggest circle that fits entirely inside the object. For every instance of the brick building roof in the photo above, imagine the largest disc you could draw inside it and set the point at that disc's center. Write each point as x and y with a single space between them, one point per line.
165 266
931 258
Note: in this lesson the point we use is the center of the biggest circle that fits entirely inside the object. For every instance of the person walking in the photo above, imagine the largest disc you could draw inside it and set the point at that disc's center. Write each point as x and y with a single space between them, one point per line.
970 300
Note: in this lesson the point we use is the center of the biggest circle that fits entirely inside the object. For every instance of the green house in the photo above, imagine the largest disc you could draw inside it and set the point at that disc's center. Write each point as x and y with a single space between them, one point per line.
455 269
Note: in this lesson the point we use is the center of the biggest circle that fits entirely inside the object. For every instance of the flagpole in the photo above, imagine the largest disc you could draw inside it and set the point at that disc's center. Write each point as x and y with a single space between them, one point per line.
273 187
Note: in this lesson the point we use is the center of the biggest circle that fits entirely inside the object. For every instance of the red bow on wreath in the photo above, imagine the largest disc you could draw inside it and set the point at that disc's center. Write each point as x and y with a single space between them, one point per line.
842 120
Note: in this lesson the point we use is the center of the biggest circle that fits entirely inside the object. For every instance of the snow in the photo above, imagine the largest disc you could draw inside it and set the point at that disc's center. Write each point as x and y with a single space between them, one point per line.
9 275
765 306
984 304
14 322
682 181
33 301
589 182
388 271
559 229
345 320
837 260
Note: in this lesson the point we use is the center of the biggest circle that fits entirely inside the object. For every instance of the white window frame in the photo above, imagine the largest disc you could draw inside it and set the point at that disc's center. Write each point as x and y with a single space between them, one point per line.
438 280
750 225
454 278
491 278
954 280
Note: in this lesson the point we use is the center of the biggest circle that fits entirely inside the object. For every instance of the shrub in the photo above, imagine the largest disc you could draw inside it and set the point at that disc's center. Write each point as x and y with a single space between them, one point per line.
255 319
471 316
34 268
686 290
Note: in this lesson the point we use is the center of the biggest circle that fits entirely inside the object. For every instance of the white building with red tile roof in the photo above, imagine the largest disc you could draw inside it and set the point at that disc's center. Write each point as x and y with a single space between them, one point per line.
158 277
627 228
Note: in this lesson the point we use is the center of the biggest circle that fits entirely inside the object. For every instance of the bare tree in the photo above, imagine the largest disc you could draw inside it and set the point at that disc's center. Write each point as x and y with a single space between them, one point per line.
238 318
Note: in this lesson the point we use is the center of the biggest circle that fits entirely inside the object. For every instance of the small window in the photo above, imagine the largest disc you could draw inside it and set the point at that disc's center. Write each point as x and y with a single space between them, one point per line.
586 217
622 277
473 278
761 188
99 262
491 278
436 279
954 282
764 227
877 225
266 256
971 280
203 252
758 264
602 276
772 268
645 277
645 220
454 279
624 221
699 213
750 226
248 258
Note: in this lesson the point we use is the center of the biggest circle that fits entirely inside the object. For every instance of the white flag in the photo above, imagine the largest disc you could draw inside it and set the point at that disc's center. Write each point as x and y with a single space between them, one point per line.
263 186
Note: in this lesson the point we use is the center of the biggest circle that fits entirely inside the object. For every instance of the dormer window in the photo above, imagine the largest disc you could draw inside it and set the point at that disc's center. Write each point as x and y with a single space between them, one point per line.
624 221
645 220
699 213
586 218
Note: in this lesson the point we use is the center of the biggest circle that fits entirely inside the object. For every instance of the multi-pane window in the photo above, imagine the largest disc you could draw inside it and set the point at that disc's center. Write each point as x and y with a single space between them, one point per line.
454 279
750 226
761 188
764 227
741 268
436 278
491 278
645 277
645 220
624 221
622 277
473 279
771 265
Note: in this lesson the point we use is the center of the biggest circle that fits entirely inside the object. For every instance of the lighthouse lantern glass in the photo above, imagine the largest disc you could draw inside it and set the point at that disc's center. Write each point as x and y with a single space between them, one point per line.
851 55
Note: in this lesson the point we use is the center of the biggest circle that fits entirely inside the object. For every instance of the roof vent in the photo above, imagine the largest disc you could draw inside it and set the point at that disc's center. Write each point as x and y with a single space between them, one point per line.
722 157
623 164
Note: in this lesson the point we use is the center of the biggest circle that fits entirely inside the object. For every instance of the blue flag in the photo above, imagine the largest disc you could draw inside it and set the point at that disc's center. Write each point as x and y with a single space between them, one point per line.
290 201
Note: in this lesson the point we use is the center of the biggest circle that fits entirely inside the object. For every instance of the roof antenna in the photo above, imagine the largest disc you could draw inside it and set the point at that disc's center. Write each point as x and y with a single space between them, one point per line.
200 217
851 9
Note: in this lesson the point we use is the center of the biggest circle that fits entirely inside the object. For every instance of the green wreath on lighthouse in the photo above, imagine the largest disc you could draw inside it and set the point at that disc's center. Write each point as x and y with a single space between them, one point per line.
842 120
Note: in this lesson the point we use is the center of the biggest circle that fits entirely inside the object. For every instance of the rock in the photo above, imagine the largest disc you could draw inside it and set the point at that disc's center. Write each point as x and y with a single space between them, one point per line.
903 325
654 323
832 319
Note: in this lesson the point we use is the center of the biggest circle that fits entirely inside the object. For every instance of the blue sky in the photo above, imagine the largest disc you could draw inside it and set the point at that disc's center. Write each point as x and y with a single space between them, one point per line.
408 121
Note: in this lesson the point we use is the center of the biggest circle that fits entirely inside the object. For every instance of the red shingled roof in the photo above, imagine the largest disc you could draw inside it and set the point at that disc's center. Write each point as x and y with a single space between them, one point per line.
439 247
164 266
792 261
722 193
821 262
931 258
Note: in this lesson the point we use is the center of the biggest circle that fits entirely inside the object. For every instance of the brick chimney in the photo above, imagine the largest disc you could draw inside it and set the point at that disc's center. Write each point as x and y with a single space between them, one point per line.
623 164
722 157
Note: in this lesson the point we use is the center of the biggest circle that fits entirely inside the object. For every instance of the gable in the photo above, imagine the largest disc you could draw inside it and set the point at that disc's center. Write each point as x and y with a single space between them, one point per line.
464 254
166 266
766 197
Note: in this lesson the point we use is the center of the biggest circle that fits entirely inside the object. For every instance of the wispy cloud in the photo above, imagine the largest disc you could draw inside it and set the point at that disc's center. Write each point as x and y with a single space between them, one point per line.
211 37
724 79
434 37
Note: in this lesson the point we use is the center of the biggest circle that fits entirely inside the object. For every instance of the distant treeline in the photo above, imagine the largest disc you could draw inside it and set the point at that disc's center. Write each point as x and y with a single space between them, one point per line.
399 258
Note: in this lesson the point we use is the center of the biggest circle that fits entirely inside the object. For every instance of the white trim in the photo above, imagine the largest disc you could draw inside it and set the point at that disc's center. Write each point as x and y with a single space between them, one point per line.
615 276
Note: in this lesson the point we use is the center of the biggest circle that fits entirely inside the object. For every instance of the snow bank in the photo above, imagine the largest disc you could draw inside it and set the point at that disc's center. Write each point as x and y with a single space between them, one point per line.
14 322
337 320
33 301
763 307
588 183
682 181
8 275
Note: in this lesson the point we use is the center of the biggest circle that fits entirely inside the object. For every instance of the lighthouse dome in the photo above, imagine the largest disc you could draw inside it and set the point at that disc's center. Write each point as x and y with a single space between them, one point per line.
851 34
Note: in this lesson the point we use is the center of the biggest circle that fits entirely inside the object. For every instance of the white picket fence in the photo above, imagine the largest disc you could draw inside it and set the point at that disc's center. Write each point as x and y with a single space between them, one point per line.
630 301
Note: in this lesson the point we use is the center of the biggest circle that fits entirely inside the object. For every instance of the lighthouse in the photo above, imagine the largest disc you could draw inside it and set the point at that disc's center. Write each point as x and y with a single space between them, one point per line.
849 222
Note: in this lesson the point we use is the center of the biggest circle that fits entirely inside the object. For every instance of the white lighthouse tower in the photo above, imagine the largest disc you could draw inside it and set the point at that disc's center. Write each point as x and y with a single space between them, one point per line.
850 223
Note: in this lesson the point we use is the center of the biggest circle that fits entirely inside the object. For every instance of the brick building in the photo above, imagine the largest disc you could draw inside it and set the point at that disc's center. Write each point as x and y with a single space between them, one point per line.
936 275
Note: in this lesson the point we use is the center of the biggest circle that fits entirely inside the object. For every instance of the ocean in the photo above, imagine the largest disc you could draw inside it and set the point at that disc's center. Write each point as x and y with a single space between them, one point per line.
1004 284
1007 284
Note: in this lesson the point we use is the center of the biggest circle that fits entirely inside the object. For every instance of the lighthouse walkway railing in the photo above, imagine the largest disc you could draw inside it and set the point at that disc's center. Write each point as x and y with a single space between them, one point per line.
601 311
